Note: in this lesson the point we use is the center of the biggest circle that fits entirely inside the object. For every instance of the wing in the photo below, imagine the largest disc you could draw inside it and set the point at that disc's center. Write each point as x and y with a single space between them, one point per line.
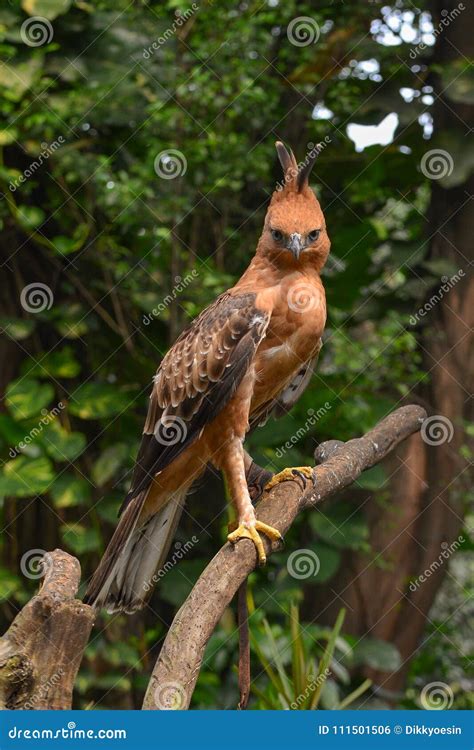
197 378
290 394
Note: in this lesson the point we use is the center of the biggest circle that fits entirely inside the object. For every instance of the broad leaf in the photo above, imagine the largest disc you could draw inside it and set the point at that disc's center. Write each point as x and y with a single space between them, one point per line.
98 401
26 397
23 477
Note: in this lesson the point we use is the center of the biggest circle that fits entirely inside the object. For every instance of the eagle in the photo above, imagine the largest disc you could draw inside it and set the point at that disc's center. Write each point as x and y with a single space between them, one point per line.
246 357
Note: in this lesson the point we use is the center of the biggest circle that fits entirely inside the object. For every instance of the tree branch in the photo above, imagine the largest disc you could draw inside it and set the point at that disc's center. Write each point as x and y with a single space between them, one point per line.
177 668
41 652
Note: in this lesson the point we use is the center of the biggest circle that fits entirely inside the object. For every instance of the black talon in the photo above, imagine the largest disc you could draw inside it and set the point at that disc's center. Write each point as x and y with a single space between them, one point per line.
301 476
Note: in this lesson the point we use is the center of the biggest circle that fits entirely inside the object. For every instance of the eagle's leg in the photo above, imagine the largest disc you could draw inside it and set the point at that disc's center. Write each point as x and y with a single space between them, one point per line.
248 525
303 472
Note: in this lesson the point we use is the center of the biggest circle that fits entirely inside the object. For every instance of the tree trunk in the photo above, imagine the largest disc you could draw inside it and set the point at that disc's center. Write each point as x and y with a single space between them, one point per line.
42 650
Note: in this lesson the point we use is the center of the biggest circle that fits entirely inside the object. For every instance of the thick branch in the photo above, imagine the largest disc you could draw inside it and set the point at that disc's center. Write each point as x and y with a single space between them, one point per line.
178 665
41 651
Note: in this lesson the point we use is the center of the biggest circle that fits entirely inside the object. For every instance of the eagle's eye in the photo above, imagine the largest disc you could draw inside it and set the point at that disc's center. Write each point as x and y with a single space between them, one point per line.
277 235
313 235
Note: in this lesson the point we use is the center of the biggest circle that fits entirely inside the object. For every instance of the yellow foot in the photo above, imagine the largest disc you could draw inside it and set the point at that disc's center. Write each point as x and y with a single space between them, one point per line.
304 472
250 531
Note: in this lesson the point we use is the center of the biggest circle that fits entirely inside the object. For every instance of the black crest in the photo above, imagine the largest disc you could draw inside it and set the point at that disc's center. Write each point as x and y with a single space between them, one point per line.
292 169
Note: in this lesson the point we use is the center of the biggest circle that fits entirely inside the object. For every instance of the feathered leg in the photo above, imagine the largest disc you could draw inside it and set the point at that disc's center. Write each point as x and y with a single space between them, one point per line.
248 527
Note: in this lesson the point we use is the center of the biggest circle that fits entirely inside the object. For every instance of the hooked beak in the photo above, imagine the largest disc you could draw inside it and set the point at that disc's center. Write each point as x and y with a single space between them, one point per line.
295 244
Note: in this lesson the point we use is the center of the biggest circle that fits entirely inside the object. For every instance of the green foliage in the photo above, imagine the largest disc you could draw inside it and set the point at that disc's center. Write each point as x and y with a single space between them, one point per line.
306 678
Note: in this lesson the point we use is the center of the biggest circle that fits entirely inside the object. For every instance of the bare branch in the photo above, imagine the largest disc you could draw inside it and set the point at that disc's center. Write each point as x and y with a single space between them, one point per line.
178 665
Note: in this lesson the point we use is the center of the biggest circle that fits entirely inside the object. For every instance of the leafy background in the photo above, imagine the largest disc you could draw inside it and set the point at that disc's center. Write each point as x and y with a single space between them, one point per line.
112 241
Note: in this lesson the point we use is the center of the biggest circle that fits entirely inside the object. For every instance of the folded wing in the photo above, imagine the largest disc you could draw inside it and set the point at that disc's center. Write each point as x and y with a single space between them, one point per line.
289 395
197 378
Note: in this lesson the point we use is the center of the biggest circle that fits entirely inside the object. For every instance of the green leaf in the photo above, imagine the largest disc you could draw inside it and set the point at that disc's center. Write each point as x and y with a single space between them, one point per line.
377 654
71 321
61 444
26 397
14 435
341 526
440 267
109 462
108 507
17 328
30 217
327 656
7 136
69 491
24 477
57 364
64 245
17 79
49 9
80 539
458 81
98 401
330 695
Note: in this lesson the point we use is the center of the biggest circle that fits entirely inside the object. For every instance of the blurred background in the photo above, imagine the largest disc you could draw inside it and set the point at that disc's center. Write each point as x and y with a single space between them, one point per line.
137 163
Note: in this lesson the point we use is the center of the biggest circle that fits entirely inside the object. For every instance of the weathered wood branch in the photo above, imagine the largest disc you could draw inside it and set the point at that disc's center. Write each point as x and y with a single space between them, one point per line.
177 668
41 652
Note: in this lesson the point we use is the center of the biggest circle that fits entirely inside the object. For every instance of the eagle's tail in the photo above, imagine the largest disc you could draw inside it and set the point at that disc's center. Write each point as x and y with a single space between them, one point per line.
128 570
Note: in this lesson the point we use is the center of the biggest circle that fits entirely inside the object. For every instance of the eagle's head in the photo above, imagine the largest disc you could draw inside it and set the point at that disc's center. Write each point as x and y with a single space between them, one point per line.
294 232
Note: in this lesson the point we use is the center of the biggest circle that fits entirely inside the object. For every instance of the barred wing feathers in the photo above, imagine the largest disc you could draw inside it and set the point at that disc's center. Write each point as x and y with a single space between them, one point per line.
197 378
